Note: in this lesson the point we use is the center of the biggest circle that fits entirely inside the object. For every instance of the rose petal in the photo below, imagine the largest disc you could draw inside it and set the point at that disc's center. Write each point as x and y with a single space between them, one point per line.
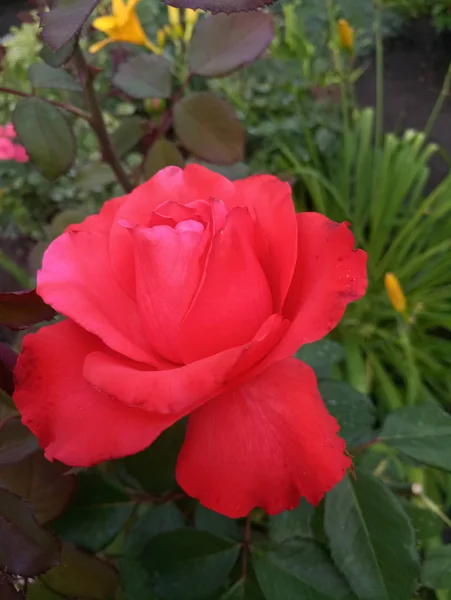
329 275
182 389
168 185
266 443
77 281
74 422
169 264
234 298
271 206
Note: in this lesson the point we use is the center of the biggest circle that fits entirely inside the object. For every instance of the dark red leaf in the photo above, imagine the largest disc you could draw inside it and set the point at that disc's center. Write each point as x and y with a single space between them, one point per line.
223 43
16 442
47 486
26 548
19 310
7 362
7 590
65 20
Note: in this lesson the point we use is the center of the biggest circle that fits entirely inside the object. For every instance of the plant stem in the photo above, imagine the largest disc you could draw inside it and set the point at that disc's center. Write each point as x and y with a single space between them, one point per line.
68 107
379 76
97 122
444 93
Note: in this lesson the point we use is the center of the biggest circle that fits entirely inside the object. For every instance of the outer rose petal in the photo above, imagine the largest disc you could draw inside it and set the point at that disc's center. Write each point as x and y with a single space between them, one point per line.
265 443
329 275
182 389
168 185
76 280
74 422
271 206
234 298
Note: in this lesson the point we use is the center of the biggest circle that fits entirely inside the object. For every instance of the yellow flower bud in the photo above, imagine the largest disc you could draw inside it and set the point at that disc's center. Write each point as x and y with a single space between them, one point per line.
346 35
191 17
174 16
395 293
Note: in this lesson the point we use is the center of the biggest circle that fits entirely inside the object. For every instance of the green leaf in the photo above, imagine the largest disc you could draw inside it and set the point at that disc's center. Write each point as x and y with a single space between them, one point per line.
16 442
26 548
426 523
35 257
154 469
38 591
63 219
422 432
233 172
223 43
291 524
95 177
132 570
45 485
354 411
298 569
208 520
82 575
127 135
243 590
96 514
145 76
220 6
324 353
162 154
436 571
46 135
187 564
208 127
371 539
65 20
19 310
42 75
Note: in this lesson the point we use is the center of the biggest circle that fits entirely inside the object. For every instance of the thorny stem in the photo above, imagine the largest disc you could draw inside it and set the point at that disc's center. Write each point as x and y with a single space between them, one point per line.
166 120
246 544
68 107
98 124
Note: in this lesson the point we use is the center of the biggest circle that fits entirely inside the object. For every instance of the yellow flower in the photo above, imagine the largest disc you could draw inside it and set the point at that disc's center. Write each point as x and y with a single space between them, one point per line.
176 29
346 35
191 17
395 293
122 26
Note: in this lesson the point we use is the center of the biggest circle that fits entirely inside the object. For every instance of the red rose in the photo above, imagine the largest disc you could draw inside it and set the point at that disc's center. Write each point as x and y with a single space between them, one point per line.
189 296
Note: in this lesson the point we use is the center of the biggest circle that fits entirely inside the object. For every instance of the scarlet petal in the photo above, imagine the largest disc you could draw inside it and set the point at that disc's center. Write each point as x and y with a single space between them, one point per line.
271 206
74 422
234 298
77 281
329 275
266 443
185 388
169 264
168 185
